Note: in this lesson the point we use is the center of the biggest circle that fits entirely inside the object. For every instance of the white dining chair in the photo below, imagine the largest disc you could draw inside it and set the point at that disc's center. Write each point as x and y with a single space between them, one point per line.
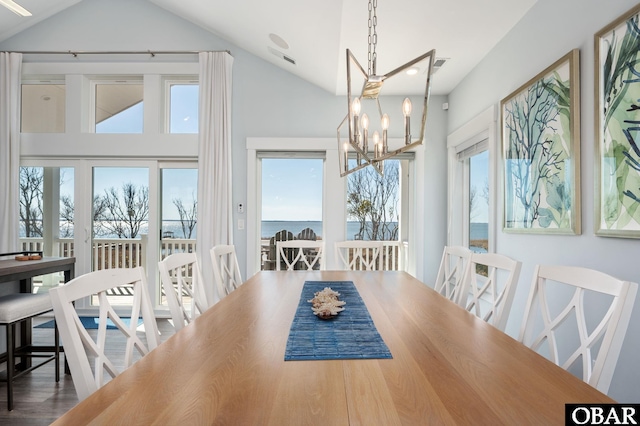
576 315
226 271
488 287
451 272
299 254
80 347
359 255
183 287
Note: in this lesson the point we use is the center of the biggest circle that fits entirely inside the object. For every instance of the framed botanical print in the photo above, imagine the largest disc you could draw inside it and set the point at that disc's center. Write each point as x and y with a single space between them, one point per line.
540 131
617 127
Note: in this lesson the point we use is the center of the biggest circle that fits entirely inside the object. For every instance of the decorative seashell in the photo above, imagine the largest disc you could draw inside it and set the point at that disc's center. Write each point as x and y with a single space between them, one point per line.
325 304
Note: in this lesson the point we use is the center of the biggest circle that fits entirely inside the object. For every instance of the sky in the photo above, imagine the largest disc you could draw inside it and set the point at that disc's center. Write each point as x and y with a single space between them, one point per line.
292 189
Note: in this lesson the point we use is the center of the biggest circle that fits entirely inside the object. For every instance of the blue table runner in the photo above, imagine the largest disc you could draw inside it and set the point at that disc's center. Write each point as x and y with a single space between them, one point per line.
350 335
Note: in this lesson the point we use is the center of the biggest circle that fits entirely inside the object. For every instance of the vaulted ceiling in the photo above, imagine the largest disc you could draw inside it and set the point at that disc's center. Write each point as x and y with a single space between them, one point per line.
309 39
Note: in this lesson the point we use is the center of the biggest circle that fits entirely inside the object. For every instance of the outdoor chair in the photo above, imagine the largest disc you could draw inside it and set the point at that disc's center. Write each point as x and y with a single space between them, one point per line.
284 235
307 234
80 347
561 309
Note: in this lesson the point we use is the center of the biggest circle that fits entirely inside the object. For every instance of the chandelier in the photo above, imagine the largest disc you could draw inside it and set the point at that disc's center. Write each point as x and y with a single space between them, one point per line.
368 139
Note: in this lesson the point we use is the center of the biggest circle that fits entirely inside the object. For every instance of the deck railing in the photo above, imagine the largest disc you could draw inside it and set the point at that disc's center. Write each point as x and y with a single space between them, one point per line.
128 253
108 253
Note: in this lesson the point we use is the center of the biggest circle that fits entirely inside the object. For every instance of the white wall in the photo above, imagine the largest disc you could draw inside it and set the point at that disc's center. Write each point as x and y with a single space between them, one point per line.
551 29
267 101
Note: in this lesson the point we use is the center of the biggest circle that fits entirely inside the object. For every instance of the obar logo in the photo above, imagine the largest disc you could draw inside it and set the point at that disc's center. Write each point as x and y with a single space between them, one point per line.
602 414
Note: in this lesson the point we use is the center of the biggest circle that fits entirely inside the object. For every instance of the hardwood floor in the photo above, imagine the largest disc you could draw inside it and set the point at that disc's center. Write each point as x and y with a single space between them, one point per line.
38 399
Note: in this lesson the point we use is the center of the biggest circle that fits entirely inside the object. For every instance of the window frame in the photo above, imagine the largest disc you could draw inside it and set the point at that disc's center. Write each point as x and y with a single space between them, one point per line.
480 128
54 80
113 80
167 82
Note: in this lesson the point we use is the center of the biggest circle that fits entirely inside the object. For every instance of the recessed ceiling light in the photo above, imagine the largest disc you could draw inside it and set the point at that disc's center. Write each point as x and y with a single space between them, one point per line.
45 97
279 41
413 71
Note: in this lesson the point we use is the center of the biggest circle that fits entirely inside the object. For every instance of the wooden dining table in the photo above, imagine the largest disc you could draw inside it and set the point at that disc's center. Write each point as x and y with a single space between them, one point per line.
227 367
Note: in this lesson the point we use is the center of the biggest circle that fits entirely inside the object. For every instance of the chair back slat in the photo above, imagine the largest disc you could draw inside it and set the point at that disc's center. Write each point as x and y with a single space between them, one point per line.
556 306
183 287
226 270
360 255
451 272
489 294
300 255
79 344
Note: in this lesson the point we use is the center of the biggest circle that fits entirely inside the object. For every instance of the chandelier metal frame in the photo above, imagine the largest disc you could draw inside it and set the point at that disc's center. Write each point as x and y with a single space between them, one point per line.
358 139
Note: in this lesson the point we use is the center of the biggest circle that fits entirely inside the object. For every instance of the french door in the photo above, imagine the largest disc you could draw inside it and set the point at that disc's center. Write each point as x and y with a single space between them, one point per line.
109 214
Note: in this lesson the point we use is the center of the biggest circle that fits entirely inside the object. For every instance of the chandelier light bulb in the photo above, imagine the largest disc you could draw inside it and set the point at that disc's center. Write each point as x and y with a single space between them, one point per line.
385 122
406 107
355 106
365 121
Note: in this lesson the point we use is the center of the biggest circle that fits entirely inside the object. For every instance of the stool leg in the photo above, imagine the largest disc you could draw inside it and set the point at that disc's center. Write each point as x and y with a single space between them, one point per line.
10 364
56 343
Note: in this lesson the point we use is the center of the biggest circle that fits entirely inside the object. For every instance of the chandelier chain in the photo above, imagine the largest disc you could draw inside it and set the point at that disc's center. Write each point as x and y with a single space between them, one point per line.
373 36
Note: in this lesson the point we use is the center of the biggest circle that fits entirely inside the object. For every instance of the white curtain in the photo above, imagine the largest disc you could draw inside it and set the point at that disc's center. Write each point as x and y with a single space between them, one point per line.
10 70
214 162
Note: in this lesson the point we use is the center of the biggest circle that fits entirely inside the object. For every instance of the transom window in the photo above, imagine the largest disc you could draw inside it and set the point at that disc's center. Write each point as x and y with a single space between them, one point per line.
119 107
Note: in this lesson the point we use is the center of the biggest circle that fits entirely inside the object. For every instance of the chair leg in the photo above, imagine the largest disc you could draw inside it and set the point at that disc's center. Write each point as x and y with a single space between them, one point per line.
10 364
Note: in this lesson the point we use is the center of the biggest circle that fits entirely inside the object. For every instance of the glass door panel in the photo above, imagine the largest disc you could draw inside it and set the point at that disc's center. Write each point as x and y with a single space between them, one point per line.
47 215
479 202
120 222
291 202
179 193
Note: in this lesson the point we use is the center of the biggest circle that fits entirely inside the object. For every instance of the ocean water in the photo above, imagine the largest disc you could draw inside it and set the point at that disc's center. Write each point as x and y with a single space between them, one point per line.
477 231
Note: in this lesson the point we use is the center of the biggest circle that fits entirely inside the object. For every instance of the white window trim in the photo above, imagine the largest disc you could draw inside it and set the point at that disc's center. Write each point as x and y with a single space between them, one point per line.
481 127
167 82
107 80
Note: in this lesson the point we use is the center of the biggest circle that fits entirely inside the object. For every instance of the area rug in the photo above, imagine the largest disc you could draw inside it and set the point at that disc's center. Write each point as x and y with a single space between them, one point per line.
350 335
91 323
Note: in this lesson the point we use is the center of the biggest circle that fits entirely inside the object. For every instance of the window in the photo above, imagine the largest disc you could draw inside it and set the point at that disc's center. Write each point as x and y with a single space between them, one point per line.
119 107
478 196
183 107
472 184
47 215
43 107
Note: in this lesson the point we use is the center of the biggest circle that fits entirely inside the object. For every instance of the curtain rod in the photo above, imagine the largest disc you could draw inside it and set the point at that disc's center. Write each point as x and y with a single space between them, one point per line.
88 52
